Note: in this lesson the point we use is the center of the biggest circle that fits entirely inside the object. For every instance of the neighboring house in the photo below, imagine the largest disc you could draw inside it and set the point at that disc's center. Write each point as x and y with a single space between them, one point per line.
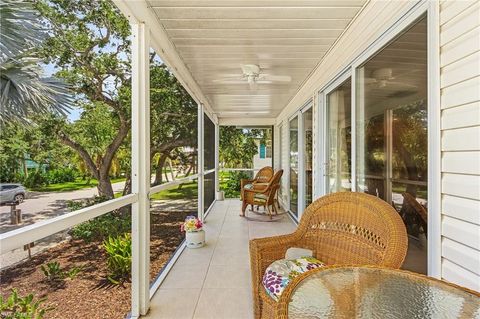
264 156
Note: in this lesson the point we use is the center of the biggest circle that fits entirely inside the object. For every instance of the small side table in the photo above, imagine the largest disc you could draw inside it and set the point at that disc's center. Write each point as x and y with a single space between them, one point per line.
374 292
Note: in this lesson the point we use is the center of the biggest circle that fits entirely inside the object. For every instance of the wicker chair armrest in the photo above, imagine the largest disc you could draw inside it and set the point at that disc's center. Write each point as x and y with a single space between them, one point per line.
260 186
264 251
245 181
249 194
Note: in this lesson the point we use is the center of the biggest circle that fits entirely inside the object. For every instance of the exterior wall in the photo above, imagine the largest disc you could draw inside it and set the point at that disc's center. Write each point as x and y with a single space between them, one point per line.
460 140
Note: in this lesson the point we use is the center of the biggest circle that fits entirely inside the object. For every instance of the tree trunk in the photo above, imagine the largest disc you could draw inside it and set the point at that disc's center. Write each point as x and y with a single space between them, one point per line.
169 162
105 186
188 170
127 189
159 171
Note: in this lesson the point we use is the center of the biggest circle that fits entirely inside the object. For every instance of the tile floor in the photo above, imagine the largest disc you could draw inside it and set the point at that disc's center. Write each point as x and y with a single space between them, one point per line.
214 281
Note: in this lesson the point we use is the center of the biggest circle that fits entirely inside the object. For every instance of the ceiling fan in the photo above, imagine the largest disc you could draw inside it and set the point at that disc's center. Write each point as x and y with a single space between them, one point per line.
251 74
383 78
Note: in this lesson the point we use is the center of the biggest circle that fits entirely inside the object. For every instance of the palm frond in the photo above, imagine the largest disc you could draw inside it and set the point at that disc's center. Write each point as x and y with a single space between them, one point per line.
24 93
21 28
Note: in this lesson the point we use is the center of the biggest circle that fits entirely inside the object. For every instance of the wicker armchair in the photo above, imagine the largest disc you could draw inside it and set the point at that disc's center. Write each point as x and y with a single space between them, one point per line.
263 176
340 228
263 195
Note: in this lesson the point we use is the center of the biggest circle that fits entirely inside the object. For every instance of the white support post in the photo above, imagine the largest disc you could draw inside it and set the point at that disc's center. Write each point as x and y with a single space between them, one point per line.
434 144
140 169
200 156
217 157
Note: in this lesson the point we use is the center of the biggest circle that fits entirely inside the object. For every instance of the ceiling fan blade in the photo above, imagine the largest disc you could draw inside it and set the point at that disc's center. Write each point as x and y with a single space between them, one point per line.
275 78
230 81
226 77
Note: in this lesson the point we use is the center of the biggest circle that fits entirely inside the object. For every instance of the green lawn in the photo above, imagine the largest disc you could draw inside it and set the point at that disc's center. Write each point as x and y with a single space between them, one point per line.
183 191
72 186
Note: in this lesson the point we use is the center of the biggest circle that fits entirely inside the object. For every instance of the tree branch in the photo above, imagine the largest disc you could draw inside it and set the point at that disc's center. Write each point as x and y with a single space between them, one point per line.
65 139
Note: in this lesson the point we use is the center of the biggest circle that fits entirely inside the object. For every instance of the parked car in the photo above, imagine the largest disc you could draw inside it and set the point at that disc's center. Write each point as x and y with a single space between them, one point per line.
12 193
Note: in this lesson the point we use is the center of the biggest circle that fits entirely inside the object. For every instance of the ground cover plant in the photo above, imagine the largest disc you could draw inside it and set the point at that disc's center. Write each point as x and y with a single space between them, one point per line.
105 299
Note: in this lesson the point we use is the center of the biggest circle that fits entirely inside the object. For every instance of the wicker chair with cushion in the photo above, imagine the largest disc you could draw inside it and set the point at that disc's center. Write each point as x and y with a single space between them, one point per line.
262 195
341 228
263 176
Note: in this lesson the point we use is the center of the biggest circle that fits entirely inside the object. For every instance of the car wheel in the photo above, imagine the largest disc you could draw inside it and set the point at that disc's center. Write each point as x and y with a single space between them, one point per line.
19 198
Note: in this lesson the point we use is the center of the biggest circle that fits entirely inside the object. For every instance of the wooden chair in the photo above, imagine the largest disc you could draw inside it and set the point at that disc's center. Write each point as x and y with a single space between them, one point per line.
341 228
262 195
418 209
263 176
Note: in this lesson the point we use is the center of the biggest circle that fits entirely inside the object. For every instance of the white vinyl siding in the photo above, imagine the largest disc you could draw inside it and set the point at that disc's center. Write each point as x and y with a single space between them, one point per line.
460 140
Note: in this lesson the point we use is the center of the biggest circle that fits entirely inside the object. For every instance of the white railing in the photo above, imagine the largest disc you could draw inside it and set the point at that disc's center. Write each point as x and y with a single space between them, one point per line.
25 235
22 236
238 169
161 187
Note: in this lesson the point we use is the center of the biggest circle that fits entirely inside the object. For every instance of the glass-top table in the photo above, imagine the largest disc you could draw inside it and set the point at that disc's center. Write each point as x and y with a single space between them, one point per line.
374 292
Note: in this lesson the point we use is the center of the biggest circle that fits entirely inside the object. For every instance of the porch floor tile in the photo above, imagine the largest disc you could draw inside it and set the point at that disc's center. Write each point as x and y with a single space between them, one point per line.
214 281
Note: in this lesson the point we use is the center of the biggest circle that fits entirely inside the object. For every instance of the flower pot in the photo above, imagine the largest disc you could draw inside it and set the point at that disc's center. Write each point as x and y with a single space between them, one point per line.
220 195
195 239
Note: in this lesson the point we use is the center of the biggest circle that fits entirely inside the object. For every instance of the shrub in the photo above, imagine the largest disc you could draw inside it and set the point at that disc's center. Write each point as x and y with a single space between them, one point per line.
62 175
72 273
232 184
16 307
119 257
111 224
52 271
74 205
101 227
35 179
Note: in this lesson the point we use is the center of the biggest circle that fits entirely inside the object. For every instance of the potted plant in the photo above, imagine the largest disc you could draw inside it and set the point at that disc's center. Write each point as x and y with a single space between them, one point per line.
195 235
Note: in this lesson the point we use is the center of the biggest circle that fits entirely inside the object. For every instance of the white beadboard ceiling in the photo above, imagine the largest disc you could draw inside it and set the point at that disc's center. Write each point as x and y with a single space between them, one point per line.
284 37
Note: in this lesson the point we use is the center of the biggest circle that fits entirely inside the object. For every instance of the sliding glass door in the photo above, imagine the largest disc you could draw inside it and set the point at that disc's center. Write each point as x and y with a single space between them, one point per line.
392 141
294 165
339 138
307 117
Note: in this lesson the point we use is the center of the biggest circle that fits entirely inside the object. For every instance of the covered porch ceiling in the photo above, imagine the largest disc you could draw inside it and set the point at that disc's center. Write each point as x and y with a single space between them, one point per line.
216 46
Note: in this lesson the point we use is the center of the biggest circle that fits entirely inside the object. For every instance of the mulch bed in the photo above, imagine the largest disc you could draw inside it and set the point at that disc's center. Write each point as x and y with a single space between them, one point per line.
90 294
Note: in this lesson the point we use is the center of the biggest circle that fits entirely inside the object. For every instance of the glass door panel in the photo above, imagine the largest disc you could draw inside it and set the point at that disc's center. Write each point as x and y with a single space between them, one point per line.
294 165
392 128
339 138
308 155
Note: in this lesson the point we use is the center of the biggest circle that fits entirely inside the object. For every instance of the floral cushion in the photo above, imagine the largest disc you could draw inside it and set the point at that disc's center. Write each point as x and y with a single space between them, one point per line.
281 272
248 186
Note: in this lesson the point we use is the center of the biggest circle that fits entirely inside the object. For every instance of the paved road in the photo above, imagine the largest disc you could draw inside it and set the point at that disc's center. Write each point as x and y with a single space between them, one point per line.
44 205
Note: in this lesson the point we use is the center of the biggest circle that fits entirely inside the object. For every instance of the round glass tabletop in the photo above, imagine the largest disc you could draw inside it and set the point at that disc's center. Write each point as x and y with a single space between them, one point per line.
369 292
